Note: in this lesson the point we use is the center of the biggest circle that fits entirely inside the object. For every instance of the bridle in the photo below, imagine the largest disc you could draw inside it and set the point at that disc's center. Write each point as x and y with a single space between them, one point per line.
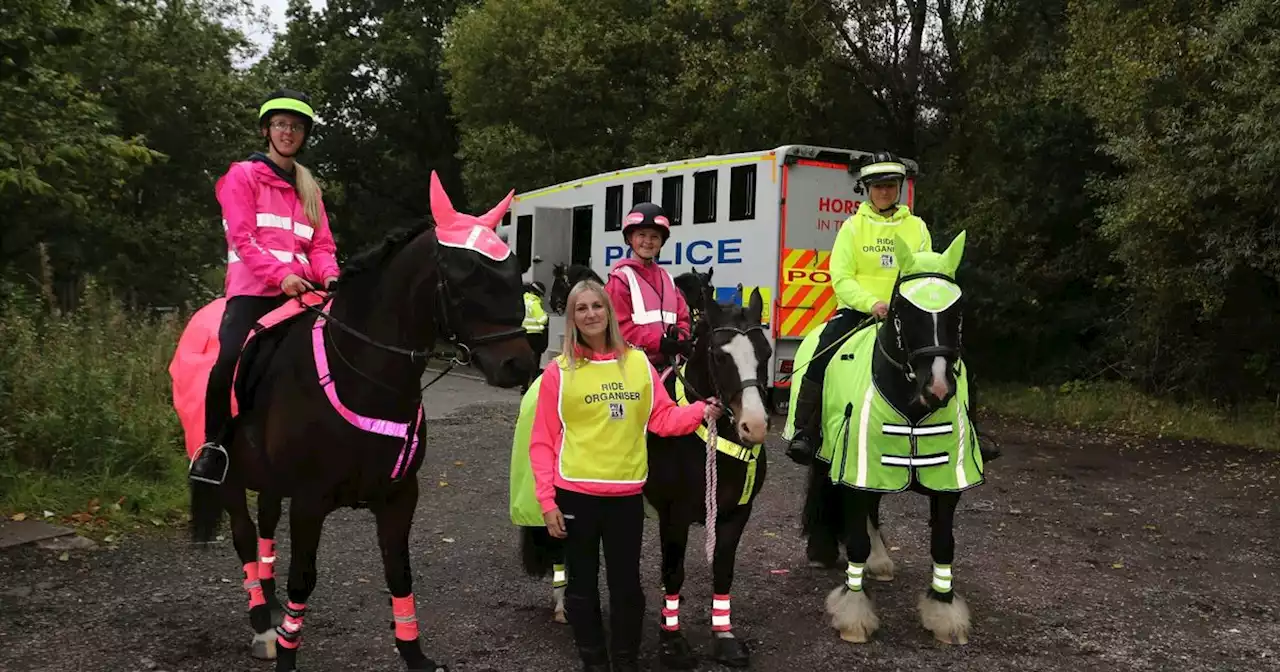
716 389
951 352
445 309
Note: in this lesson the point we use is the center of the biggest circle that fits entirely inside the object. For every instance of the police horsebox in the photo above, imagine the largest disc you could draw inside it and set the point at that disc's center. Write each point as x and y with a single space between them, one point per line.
763 220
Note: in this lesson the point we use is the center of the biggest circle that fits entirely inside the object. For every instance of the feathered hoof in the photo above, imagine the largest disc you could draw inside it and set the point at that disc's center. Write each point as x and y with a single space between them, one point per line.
852 614
263 646
675 652
559 617
949 621
732 652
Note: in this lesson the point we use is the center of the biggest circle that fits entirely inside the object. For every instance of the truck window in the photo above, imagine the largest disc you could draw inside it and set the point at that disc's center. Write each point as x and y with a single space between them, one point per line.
742 192
581 250
642 192
673 198
704 197
613 208
524 241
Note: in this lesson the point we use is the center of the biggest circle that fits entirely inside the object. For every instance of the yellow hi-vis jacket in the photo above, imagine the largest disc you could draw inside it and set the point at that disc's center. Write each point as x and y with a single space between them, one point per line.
535 318
863 267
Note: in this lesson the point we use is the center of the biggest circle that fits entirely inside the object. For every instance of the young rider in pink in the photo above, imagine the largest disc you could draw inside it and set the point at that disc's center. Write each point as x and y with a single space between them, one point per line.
596 404
278 246
652 313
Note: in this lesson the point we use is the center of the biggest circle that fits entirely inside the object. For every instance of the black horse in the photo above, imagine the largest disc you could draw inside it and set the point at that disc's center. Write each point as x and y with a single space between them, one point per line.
697 290
310 434
898 419
565 277
730 360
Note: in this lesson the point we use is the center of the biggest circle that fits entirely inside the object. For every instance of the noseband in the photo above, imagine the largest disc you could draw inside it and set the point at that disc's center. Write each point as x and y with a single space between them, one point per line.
716 389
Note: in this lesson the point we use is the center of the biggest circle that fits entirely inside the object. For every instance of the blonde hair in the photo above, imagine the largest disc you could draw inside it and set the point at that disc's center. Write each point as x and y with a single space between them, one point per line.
612 335
308 193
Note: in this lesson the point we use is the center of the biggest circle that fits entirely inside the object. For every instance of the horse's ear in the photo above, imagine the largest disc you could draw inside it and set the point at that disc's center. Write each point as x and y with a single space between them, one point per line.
492 218
755 307
441 207
951 258
710 271
902 252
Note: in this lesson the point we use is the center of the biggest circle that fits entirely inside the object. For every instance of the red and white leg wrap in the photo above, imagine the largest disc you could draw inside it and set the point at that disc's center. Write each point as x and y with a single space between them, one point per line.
266 558
252 585
720 613
289 632
671 613
406 615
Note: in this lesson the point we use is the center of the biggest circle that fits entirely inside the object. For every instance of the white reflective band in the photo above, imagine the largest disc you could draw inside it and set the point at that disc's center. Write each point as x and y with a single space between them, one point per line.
672 621
719 620
894 461
303 231
638 313
283 256
720 604
885 167
267 220
908 430
290 625
944 572
303 259
673 604
471 239
559 576
854 570
248 585
406 619
267 559
941 585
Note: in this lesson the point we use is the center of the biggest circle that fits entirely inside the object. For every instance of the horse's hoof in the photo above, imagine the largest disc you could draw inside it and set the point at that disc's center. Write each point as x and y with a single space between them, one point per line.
676 653
957 639
854 636
883 577
559 617
263 646
732 652
429 666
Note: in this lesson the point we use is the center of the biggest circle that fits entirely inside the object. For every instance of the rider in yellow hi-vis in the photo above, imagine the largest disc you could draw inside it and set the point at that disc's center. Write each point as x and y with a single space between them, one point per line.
535 326
863 271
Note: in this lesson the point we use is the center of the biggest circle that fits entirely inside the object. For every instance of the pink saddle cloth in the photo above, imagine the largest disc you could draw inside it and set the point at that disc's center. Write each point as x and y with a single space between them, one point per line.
196 353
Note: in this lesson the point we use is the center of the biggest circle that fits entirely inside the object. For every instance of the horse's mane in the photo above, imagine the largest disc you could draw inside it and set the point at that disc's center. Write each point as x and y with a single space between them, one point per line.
365 268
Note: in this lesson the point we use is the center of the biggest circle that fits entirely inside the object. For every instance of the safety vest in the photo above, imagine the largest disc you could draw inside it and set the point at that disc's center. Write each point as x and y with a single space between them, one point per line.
604 409
535 318
871 446
735 450
647 307
863 264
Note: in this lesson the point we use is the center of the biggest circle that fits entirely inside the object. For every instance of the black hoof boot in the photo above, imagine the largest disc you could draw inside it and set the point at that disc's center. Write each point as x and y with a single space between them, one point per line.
732 652
676 654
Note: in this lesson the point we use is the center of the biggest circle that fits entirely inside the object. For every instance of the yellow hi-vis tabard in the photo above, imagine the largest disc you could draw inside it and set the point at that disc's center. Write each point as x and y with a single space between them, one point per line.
604 408
535 318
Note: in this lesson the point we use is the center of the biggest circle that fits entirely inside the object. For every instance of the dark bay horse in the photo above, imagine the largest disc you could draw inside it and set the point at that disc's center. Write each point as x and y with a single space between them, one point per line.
332 417
565 277
896 418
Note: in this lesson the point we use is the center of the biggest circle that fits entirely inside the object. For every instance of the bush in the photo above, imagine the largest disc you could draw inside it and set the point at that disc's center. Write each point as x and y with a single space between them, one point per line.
85 405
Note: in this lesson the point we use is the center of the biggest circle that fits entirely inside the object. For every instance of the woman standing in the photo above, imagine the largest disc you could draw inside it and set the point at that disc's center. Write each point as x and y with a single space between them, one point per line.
596 402
279 245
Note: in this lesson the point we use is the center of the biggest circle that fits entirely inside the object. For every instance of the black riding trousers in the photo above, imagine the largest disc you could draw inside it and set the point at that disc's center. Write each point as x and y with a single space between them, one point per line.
241 313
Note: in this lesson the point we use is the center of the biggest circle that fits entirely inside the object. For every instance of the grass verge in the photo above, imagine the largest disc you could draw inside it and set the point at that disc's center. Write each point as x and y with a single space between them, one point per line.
1121 407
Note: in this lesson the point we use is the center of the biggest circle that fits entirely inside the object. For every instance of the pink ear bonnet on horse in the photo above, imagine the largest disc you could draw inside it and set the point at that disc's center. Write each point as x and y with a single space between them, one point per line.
456 229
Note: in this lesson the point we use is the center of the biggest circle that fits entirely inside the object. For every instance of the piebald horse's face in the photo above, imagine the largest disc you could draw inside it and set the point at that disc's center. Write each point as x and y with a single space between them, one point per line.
739 355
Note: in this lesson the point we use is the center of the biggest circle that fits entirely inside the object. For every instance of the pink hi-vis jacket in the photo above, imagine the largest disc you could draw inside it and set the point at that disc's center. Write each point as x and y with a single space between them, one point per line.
665 419
268 234
646 301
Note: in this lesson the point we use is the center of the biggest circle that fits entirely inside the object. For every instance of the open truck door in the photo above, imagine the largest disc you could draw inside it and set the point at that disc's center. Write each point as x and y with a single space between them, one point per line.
817 197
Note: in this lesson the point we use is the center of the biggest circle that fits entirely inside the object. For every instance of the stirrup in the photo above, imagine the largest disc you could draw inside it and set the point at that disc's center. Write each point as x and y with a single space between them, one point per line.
226 464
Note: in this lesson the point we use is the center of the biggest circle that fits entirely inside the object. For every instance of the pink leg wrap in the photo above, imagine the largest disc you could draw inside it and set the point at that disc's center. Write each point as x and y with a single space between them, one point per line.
266 558
720 613
671 613
406 616
289 632
252 585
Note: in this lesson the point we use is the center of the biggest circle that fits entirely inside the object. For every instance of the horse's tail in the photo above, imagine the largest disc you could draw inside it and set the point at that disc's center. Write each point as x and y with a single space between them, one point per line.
822 511
206 510
539 551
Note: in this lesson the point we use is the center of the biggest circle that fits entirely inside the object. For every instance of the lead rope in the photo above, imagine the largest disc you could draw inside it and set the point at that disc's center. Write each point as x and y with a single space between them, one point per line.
711 491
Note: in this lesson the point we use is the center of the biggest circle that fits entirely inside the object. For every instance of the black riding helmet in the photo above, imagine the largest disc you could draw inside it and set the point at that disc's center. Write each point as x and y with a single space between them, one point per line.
293 102
646 215
536 287
882 166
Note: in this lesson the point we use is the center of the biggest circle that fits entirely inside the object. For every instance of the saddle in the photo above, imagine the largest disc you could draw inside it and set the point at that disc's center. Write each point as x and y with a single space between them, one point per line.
260 346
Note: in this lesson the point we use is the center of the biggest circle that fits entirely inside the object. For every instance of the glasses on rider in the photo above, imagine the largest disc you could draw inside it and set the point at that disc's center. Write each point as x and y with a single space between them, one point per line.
283 126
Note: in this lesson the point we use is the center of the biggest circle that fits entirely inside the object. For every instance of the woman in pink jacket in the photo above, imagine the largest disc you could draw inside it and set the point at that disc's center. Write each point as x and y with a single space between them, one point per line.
278 246
596 403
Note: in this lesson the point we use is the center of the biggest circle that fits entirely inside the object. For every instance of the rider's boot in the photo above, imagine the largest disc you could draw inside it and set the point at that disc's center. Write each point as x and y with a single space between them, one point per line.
808 423
210 465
